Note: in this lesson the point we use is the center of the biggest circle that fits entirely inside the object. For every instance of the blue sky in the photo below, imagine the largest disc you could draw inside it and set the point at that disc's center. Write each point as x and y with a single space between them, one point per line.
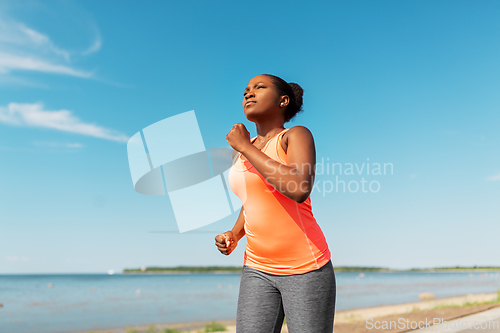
410 83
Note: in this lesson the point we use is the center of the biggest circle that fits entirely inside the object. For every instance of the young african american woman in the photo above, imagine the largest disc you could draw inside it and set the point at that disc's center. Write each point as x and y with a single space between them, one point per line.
287 271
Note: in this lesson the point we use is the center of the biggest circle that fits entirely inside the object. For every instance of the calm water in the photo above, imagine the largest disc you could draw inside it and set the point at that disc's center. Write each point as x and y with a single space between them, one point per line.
79 302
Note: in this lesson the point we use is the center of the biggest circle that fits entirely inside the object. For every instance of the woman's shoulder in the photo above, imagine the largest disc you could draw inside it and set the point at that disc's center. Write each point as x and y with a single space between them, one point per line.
298 132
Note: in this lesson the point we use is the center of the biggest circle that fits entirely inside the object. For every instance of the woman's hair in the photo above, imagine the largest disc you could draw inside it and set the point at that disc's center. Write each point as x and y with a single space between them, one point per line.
294 93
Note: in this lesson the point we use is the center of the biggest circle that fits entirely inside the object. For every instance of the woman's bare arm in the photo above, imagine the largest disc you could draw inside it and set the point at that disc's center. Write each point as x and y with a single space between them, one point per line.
227 241
239 227
301 160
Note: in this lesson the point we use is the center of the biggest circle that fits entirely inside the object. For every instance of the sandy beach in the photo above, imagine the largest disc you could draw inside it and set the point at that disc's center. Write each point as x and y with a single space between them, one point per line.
356 320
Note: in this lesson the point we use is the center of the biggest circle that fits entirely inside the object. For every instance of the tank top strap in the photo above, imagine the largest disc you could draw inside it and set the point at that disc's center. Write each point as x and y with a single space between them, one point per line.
271 147
280 153
280 135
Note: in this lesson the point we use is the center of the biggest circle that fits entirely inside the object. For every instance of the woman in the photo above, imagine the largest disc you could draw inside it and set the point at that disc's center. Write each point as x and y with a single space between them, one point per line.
287 269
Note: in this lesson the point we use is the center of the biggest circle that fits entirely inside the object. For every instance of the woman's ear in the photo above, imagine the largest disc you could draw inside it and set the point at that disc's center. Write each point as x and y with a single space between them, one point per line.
284 101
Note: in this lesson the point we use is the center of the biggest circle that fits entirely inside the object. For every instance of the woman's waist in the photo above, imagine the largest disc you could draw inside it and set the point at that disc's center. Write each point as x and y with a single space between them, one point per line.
285 251
285 244
263 220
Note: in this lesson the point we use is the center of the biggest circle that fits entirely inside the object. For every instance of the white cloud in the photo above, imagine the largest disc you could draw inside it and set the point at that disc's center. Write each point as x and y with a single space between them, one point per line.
25 49
58 145
40 40
10 62
9 80
96 46
494 178
33 115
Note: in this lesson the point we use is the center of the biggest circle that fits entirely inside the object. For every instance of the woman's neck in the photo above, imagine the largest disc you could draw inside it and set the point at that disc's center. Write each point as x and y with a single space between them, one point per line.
267 131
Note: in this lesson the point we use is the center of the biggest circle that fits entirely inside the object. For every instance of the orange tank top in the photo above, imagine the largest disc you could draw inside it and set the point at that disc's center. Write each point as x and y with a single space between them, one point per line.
283 237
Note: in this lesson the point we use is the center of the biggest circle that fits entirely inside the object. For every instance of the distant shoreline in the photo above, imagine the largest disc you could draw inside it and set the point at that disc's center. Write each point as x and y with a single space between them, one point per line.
237 270
178 272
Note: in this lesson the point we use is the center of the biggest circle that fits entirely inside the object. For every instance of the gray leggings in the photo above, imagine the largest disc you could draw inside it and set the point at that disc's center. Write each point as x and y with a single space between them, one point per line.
307 300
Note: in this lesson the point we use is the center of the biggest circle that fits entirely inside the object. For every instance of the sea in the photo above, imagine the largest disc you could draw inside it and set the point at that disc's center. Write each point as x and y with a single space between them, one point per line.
53 303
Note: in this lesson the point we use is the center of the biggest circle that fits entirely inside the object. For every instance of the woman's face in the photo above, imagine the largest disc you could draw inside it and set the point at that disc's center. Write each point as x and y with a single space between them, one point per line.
260 98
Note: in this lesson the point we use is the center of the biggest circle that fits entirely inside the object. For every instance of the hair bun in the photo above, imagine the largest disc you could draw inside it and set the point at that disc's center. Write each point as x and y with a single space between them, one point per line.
298 92
294 93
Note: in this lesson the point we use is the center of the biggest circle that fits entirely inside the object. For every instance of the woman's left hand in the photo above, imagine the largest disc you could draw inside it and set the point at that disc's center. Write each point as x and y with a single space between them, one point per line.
238 137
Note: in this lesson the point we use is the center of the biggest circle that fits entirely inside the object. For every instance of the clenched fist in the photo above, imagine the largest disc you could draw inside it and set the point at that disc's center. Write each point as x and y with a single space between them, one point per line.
238 137
226 242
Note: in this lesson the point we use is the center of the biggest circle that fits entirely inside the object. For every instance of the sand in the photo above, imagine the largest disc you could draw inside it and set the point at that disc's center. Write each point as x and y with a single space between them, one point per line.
356 320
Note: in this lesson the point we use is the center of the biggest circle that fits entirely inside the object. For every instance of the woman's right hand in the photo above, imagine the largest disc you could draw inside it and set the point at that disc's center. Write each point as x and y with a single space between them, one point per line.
226 242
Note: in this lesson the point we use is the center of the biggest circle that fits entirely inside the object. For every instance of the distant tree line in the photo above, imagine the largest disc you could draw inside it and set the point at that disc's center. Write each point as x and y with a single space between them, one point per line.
237 269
